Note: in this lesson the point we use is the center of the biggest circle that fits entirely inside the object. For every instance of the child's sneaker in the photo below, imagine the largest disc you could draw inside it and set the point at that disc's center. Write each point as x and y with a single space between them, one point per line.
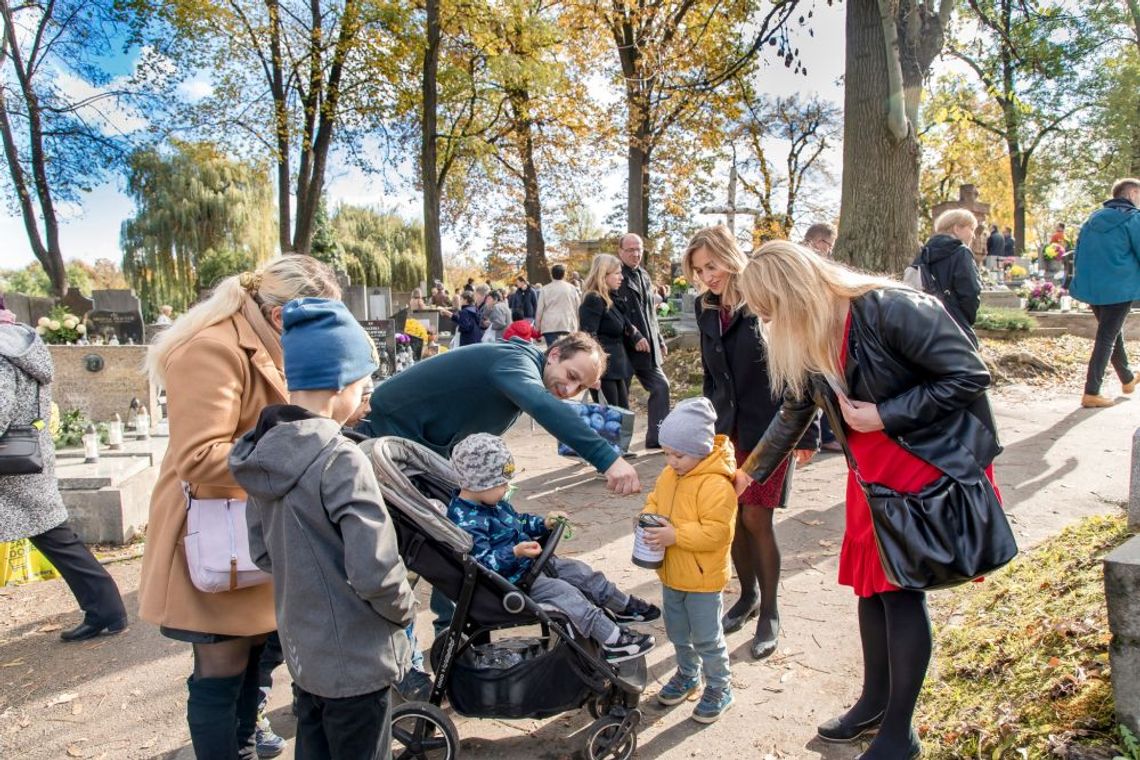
630 645
678 689
638 611
713 704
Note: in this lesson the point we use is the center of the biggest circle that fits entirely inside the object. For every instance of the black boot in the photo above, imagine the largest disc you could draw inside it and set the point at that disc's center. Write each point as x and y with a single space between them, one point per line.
211 712
249 696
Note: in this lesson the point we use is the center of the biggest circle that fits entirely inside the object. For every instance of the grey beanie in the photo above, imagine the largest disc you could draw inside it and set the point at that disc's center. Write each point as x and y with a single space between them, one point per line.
482 461
690 428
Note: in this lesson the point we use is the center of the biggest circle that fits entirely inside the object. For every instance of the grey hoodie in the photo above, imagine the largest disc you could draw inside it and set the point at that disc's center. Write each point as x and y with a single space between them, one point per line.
317 522
29 504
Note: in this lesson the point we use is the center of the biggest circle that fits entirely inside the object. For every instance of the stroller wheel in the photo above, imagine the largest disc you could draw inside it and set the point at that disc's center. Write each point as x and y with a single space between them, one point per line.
611 738
599 704
422 731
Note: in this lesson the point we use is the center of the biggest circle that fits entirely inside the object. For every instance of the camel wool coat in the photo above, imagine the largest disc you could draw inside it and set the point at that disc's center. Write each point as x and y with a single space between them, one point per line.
217 383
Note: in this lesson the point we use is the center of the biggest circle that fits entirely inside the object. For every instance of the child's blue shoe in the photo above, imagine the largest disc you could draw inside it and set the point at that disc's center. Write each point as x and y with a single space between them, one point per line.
713 704
678 689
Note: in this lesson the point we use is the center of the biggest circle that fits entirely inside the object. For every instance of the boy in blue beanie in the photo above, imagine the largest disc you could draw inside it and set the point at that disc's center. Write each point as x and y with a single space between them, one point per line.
317 522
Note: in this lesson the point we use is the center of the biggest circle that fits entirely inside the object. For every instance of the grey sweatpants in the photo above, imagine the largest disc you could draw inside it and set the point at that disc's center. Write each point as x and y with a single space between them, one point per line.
579 591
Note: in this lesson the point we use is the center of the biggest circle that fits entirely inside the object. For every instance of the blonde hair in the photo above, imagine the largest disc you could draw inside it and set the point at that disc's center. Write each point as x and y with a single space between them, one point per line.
275 283
803 296
955 217
604 265
722 249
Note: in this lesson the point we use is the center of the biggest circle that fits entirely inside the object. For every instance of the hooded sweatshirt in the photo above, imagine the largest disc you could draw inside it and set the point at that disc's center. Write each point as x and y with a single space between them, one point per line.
317 522
701 505
29 504
955 275
1107 266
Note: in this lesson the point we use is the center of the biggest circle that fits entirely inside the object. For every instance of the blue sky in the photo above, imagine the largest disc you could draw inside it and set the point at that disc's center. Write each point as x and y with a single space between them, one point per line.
90 230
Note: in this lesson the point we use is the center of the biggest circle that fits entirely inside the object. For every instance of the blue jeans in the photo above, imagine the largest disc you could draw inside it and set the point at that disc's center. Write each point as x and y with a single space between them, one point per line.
692 623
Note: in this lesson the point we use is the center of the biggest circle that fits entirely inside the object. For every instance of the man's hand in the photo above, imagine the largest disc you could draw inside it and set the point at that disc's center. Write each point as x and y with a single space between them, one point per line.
553 517
664 350
622 479
803 456
741 481
661 538
862 416
528 549
641 345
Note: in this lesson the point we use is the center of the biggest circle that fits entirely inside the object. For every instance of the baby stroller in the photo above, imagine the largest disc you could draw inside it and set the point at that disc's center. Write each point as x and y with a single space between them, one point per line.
558 671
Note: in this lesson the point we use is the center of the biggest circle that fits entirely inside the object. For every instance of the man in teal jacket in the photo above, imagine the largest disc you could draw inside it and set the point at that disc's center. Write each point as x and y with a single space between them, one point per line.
485 387
1107 277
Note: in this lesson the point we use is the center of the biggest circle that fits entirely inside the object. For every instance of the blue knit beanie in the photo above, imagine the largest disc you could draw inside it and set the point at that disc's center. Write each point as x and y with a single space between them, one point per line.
325 347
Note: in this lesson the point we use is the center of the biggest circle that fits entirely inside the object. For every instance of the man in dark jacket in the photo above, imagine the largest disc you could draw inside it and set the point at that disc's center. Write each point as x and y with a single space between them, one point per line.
995 243
1107 277
1010 248
636 292
524 301
948 269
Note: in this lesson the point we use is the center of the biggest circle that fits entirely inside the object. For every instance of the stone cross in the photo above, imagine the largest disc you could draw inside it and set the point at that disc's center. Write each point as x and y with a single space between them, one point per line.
730 210
968 199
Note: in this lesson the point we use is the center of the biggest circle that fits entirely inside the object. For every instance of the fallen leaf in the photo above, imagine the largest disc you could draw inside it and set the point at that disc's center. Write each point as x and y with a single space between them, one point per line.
77 708
62 699
49 629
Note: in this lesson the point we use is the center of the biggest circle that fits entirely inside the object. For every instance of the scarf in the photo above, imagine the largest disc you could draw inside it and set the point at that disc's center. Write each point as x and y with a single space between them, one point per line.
264 331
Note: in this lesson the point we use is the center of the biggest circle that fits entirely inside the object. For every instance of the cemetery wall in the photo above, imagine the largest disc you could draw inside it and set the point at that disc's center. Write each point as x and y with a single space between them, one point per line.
101 392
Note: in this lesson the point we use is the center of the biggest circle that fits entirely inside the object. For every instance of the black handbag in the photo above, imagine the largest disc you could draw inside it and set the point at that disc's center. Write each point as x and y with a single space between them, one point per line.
20 448
951 532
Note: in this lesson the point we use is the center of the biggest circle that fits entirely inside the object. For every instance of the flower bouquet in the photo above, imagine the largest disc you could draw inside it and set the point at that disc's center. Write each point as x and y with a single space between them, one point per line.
60 326
1044 297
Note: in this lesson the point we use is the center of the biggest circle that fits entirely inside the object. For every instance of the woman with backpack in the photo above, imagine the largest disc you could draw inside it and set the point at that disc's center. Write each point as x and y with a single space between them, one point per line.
947 268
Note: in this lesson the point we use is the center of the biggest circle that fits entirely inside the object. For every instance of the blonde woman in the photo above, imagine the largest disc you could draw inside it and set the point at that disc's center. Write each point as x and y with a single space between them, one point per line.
736 382
907 389
602 316
221 364
948 269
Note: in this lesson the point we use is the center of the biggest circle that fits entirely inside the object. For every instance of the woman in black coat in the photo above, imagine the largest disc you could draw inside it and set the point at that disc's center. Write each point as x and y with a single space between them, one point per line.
736 381
603 317
909 389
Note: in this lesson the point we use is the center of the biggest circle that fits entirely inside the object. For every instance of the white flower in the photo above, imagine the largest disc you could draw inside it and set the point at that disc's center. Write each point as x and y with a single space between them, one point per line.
40 329
53 325
70 322
81 329
43 322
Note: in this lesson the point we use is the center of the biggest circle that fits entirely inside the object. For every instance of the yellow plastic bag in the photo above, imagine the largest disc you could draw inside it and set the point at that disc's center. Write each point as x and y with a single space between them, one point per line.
20 562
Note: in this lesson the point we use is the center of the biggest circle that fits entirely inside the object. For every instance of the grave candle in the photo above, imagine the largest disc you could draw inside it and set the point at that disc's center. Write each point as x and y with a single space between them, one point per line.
90 444
115 433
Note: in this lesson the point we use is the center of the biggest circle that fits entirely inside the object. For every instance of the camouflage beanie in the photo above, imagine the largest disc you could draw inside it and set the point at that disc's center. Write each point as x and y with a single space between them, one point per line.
482 461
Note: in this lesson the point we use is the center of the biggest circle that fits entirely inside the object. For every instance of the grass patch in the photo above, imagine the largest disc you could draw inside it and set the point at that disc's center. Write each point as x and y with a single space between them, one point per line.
1009 320
1021 664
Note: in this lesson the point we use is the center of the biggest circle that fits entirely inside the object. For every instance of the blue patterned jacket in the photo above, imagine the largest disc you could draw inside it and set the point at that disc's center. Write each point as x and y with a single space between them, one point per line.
497 530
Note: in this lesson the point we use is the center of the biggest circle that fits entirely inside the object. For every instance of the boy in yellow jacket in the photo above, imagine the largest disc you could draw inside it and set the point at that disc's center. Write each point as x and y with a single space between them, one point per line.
695 492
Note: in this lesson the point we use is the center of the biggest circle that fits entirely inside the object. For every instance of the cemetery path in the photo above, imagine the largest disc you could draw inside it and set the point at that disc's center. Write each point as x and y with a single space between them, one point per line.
124 697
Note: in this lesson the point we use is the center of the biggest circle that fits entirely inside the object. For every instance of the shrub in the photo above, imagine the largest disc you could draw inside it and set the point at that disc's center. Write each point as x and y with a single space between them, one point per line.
1014 320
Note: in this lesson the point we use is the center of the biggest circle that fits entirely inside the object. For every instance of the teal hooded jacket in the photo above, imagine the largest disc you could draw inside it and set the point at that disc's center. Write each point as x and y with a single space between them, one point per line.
1107 268
481 388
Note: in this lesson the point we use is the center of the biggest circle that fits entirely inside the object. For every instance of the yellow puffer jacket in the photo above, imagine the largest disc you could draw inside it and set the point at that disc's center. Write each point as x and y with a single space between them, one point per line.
701 504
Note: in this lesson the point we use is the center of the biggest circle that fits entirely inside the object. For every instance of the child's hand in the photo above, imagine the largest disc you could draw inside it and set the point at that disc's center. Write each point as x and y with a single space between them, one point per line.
528 549
552 518
661 538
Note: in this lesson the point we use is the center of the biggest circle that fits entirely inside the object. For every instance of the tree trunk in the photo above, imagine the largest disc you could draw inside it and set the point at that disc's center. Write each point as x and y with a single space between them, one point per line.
637 211
433 246
281 120
1018 172
1134 163
878 224
537 269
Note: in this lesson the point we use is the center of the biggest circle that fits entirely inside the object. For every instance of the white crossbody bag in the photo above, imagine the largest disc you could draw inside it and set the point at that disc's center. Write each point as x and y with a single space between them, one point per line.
217 545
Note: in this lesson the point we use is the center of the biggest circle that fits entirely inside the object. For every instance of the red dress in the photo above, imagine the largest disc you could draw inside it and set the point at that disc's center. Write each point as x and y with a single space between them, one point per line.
880 460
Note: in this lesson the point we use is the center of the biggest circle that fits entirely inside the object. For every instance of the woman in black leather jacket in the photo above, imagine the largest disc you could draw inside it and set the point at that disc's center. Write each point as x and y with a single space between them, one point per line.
908 391
736 382
602 315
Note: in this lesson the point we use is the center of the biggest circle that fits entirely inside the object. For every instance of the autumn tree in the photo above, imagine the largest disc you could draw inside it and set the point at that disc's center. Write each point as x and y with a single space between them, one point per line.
890 47
192 203
379 247
290 80
1023 53
674 55
57 144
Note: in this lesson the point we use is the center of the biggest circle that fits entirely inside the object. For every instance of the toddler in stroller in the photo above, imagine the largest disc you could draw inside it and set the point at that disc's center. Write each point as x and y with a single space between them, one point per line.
507 542
490 663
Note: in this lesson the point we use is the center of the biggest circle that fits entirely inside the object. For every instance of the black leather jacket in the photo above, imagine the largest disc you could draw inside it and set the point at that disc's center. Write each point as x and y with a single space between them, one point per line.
906 354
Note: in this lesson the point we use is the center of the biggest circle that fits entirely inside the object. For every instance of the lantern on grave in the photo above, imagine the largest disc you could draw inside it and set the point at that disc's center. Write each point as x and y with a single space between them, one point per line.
133 413
90 444
115 433
142 424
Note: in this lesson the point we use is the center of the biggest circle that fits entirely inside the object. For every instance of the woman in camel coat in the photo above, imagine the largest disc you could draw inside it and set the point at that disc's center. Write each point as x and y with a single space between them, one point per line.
221 365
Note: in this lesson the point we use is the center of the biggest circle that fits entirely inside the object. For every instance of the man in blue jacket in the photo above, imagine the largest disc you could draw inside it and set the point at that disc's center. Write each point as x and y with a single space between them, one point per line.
1107 277
484 388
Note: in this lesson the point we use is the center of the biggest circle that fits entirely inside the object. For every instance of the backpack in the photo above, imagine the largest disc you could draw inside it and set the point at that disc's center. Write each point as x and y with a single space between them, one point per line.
921 277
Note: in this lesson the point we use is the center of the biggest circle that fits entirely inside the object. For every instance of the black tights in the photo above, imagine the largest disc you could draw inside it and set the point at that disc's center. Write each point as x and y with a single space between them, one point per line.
895 631
756 556
224 692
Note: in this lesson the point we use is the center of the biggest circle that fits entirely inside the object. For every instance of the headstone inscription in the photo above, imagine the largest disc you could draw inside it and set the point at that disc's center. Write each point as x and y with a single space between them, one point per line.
116 313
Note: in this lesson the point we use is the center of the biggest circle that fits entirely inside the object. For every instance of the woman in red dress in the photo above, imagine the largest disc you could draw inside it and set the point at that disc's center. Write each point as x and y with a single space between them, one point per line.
736 382
910 390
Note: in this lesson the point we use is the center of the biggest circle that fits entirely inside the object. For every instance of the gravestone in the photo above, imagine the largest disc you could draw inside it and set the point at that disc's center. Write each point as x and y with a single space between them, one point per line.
968 199
28 309
77 303
1122 595
355 299
380 303
116 312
